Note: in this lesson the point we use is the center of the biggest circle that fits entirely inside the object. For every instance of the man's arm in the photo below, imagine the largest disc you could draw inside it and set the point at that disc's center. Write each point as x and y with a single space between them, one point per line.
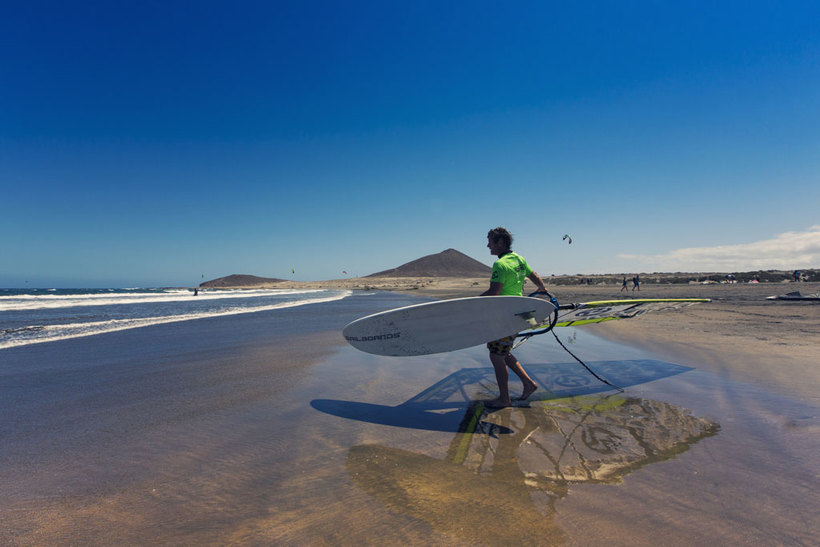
494 290
535 278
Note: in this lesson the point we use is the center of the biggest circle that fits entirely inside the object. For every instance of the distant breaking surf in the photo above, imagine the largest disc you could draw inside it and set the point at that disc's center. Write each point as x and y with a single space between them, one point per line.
32 319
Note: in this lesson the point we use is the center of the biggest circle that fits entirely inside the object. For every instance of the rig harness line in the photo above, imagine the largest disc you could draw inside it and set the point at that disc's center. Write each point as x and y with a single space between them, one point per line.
553 321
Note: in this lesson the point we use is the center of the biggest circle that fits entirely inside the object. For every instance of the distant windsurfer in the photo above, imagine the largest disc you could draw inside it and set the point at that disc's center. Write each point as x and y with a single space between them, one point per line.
507 278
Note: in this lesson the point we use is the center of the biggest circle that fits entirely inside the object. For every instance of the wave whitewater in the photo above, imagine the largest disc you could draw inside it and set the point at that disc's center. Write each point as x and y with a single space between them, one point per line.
33 319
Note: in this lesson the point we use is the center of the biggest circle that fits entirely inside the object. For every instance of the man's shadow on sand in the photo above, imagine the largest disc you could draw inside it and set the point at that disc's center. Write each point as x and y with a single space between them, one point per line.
442 406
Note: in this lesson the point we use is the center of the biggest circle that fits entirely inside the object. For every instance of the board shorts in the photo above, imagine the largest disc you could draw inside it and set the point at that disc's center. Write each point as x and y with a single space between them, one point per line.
502 346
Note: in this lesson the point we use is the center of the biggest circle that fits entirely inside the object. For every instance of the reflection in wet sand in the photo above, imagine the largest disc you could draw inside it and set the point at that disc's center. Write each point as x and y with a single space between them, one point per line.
450 498
494 487
438 407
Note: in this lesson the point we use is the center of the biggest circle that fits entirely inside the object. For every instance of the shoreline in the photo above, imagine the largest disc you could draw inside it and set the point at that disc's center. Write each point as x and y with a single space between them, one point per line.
440 287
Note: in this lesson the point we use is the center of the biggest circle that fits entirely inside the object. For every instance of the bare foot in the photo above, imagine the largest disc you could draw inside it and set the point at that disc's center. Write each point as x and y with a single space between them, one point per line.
528 390
497 403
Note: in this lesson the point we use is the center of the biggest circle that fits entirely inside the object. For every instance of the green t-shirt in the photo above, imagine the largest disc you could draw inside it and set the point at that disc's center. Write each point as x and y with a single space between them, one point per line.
510 269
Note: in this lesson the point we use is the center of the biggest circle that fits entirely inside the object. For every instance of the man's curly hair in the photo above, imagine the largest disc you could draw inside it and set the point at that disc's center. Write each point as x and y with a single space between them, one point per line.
501 234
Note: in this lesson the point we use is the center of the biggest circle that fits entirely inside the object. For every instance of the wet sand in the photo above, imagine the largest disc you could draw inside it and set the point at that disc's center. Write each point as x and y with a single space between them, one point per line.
269 429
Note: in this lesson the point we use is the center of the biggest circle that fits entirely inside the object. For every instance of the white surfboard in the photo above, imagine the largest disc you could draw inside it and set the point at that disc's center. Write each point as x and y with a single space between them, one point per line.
447 325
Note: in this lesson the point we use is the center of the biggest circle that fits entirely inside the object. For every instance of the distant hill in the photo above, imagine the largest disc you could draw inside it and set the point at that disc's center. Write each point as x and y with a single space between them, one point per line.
449 263
238 280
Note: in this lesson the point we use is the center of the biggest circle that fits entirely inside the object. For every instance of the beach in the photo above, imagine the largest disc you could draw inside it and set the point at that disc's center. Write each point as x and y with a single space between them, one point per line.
739 334
267 428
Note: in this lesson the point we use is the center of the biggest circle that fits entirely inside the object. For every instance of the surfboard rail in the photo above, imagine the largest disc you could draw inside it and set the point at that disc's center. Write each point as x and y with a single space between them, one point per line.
449 325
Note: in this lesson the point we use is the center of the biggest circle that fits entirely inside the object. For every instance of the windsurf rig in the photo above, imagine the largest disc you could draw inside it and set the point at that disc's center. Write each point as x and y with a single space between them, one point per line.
597 312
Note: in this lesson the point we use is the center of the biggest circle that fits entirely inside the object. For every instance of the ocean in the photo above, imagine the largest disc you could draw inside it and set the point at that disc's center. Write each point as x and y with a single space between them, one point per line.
31 316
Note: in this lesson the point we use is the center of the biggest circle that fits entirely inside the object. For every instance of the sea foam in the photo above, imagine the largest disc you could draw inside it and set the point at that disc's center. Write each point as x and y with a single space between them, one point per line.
32 319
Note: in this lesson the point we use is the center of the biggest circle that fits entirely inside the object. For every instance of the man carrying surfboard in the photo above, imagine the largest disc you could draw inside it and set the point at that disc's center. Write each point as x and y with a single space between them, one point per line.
507 278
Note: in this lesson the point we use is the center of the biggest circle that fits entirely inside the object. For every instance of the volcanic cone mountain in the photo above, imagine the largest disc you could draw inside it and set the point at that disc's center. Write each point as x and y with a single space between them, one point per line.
449 263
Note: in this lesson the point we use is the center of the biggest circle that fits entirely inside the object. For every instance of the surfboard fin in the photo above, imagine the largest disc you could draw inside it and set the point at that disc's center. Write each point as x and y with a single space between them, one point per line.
529 317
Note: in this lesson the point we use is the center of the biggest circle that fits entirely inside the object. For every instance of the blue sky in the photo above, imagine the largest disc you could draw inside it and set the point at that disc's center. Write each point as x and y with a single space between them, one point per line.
154 143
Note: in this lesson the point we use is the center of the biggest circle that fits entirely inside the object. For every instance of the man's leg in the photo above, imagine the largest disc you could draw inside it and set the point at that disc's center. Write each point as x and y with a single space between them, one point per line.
515 366
502 379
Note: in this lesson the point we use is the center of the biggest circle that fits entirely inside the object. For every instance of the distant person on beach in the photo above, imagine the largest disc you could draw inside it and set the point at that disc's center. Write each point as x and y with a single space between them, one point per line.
623 285
507 278
796 275
636 283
